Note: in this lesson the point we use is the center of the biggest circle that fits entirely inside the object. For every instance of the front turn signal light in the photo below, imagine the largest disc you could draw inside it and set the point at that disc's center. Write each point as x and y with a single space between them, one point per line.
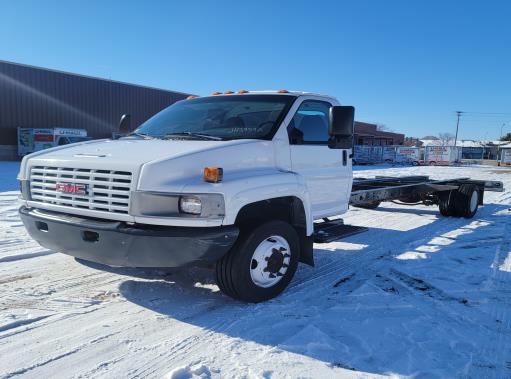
213 174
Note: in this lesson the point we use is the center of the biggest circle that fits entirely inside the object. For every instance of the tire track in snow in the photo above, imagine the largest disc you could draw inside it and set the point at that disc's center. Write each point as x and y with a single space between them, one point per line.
500 346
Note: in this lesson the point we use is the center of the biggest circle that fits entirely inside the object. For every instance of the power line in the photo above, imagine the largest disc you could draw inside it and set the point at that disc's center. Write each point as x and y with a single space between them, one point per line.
488 113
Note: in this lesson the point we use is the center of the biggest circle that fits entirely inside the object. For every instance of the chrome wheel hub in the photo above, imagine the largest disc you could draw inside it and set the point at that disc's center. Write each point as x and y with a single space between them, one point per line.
270 261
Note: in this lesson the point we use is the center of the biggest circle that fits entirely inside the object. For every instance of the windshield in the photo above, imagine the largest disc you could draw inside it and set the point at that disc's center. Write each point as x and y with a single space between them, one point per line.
220 118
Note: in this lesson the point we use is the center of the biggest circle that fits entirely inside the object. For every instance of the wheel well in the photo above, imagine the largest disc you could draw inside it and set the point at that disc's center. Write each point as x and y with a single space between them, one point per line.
288 208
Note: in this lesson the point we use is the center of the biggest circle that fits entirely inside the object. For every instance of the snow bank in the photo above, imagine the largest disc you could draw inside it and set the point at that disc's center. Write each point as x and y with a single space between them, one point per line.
8 173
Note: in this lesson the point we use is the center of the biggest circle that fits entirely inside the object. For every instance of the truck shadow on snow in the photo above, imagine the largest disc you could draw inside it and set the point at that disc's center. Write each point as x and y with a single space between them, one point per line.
385 301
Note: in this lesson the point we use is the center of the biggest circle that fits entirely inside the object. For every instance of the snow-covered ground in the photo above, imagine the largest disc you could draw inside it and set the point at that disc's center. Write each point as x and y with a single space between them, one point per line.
417 295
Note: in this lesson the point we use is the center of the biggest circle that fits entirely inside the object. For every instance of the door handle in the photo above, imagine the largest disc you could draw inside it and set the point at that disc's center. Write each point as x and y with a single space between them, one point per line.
344 158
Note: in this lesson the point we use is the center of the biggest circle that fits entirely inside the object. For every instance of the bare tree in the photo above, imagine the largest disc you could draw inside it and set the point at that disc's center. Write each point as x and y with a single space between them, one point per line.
433 138
383 128
446 138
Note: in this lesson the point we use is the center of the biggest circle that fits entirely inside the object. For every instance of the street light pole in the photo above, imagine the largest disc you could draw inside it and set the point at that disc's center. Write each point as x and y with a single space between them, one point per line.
458 113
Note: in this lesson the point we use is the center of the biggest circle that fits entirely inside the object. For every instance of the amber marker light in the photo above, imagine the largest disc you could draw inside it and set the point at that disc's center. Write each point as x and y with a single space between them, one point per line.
282 91
213 174
216 93
242 91
228 92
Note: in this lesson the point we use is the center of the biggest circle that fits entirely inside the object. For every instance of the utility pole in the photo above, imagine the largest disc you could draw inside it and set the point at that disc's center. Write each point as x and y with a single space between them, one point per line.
500 137
458 113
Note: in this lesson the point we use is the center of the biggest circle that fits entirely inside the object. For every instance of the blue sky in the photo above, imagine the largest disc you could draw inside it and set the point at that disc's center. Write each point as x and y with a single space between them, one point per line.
406 64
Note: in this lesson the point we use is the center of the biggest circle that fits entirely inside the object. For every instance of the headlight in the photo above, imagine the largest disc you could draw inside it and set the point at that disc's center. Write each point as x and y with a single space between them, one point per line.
161 204
190 204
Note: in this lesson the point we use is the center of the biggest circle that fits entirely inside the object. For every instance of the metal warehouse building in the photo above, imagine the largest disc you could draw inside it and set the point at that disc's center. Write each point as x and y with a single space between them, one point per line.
34 97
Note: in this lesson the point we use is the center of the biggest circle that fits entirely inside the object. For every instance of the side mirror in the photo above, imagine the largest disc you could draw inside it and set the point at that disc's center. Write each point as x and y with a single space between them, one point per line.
340 128
125 124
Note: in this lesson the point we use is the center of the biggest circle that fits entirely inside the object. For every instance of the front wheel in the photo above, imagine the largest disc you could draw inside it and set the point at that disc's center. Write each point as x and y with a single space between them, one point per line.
261 263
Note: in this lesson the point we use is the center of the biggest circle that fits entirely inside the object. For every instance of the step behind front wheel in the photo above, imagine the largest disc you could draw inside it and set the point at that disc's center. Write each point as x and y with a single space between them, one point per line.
261 263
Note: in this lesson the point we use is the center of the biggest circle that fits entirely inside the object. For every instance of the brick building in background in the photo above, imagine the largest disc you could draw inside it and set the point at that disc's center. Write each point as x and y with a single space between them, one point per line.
35 97
368 134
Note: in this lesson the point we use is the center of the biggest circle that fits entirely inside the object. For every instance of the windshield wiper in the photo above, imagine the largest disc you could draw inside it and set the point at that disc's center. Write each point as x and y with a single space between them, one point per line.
192 134
138 134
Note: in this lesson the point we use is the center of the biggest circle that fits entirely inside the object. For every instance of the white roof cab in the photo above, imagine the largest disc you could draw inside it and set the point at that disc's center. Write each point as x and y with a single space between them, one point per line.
236 180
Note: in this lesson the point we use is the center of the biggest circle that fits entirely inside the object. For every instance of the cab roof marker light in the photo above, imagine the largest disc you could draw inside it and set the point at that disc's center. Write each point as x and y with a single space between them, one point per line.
191 97
216 93
242 91
228 92
282 91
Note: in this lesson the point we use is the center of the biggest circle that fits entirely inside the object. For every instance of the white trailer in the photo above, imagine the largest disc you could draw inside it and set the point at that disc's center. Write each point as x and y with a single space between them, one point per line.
35 139
442 155
388 154
505 156
407 155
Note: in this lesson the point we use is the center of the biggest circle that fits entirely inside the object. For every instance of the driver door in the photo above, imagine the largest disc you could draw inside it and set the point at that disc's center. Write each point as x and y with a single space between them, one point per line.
326 171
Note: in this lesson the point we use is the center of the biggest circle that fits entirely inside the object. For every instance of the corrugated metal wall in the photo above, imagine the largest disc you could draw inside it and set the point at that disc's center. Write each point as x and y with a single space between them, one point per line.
38 98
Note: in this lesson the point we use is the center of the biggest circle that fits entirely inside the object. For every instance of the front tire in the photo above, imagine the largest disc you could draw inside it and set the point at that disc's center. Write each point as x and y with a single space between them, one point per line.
261 263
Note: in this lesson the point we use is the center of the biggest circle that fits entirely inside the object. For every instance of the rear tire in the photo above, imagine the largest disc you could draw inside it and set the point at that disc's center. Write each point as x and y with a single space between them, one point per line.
466 201
261 263
446 204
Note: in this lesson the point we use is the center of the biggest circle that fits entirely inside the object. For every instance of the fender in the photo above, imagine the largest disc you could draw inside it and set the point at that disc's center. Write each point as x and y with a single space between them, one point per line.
253 193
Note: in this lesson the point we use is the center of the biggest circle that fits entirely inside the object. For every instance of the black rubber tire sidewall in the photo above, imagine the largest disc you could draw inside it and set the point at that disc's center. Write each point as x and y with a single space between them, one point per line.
234 275
445 204
462 200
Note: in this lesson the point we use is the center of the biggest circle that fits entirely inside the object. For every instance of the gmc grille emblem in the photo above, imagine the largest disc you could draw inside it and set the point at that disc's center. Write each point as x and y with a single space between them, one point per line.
77 189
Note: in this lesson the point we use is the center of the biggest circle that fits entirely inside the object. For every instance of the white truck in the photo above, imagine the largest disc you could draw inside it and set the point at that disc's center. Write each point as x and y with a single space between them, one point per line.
244 182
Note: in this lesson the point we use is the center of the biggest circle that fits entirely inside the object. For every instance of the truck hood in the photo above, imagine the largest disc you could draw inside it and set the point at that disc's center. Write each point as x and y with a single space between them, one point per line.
166 160
133 152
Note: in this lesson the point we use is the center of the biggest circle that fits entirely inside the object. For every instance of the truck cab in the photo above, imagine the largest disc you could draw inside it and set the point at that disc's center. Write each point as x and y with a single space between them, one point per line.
232 180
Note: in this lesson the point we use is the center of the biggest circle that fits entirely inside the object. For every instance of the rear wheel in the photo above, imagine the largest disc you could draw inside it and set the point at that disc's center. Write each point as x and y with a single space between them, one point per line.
446 204
466 200
261 263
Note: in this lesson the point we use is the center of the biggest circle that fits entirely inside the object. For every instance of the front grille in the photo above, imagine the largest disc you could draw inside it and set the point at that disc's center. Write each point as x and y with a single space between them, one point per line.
107 190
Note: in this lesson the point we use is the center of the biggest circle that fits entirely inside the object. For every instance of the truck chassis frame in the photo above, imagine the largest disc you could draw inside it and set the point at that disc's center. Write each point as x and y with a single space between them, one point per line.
411 190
